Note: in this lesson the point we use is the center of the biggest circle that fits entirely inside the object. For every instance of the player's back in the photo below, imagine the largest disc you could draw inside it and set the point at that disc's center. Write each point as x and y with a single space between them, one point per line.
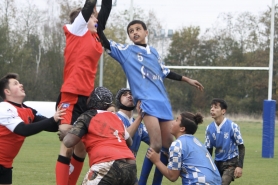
197 162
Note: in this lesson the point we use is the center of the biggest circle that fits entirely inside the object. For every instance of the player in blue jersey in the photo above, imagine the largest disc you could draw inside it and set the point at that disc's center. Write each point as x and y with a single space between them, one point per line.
137 130
145 72
188 157
224 135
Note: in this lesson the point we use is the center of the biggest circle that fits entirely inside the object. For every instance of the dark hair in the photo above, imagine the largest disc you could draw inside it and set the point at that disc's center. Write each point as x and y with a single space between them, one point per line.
118 96
191 121
136 22
74 14
221 102
4 83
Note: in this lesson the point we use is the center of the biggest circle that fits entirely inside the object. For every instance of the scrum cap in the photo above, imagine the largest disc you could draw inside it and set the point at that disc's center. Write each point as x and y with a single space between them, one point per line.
100 99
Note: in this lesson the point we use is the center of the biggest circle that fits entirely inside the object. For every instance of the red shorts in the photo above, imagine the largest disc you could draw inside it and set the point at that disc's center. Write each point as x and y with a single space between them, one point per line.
74 104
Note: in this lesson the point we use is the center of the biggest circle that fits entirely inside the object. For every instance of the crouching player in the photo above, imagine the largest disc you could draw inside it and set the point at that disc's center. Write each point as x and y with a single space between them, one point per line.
106 140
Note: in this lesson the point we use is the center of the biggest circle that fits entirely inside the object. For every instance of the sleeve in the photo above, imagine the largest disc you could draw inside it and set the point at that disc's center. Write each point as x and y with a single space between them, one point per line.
78 27
88 9
237 134
207 141
119 52
175 156
126 134
9 117
80 127
145 135
164 69
174 76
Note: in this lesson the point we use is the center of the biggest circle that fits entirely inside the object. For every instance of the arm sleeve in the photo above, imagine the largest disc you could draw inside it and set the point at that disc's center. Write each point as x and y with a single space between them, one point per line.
174 76
175 154
88 9
103 15
35 127
241 151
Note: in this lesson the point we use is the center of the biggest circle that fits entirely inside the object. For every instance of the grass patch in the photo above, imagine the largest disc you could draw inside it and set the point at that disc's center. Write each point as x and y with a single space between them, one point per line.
35 163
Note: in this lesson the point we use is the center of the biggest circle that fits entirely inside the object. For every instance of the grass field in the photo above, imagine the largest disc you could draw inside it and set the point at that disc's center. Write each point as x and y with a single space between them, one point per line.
35 164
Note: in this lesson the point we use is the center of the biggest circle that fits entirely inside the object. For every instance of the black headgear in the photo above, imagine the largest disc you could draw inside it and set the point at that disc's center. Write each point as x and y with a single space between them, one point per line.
101 98
118 96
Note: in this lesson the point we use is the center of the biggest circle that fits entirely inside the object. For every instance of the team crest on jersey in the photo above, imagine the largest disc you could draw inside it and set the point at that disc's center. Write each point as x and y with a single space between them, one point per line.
140 57
65 105
226 135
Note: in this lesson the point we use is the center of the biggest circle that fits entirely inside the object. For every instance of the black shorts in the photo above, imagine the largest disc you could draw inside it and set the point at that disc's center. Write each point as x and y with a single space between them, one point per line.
6 175
74 104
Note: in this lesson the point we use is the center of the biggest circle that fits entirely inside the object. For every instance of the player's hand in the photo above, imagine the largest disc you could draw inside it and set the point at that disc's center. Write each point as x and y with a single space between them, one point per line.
153 156
61 134
59 114
138 109
196 84
238 172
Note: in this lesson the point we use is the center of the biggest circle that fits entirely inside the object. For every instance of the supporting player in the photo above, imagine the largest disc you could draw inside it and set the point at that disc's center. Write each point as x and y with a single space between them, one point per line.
104 135
188 157
18 121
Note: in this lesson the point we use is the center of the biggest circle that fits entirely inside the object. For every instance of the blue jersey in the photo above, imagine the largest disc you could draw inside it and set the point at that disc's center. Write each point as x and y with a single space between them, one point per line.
191 157
225 138
140 135
145 73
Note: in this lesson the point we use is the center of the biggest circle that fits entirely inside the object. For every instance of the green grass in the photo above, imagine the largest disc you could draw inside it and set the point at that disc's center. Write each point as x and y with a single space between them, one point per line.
35 163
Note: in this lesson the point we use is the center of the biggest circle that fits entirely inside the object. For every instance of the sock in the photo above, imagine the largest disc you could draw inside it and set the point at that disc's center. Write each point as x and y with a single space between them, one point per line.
62 170
77 164
146 169
157 178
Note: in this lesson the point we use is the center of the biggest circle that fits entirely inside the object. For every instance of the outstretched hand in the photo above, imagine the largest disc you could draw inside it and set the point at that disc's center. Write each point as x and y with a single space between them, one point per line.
196 84
152 155
59 114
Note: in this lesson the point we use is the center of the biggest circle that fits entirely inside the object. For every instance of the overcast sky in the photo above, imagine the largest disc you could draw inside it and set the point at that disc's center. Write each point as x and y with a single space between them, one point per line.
175 14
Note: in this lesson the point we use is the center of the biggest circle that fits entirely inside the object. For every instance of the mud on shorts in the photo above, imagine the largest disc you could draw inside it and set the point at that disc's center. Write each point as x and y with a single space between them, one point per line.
5 175
117 172
227 169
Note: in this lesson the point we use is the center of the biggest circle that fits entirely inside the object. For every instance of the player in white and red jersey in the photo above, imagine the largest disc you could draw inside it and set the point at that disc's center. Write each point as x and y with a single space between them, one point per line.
82 52
18 121
106 139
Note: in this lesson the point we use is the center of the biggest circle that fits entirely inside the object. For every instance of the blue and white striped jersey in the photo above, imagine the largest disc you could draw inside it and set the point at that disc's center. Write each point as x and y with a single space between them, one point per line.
225 138
191 157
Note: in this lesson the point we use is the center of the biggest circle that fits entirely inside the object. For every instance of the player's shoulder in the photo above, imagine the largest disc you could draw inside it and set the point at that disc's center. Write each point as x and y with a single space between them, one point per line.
5 107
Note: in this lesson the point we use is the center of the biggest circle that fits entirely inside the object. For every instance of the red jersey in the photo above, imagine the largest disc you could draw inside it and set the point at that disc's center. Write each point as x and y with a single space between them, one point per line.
105 139
10 143
81 56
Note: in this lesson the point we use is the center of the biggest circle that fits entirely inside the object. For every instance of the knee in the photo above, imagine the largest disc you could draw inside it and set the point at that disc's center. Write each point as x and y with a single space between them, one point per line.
156 146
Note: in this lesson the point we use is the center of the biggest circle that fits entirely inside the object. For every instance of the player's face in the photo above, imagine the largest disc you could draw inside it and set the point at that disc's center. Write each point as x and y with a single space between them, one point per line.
216 111
92 23
127 99
15 89
137 34
176 126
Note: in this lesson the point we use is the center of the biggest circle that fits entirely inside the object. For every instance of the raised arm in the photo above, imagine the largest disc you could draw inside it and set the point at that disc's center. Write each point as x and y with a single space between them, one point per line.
195 83
103 15
88 9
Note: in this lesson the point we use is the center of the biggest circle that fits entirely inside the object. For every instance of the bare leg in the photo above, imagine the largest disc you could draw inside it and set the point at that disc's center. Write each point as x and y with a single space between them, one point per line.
154 131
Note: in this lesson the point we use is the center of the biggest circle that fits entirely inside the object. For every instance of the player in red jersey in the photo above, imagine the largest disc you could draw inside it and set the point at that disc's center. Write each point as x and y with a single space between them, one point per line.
18 121
104 135
82 52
